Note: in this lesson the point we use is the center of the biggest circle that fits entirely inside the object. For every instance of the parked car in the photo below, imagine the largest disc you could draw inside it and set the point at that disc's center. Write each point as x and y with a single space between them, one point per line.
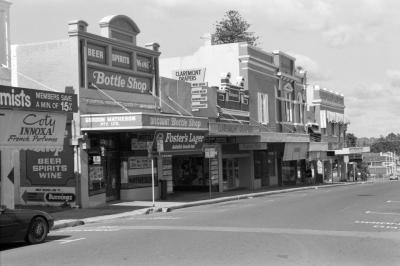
393 177
27 225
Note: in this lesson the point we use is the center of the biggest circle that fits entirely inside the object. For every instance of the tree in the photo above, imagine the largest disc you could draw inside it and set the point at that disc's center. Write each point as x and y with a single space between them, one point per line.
233 28
351 140
389 143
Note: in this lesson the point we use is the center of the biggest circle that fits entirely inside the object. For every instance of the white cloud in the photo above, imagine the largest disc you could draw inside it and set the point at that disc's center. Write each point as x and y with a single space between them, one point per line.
338 36
373 109
314 72
394 77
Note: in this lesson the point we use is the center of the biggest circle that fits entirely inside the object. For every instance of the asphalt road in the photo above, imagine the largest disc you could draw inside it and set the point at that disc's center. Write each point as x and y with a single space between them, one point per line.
349 225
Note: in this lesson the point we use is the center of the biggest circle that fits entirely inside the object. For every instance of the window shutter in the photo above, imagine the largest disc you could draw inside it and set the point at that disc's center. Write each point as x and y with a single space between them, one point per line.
259 107
266 112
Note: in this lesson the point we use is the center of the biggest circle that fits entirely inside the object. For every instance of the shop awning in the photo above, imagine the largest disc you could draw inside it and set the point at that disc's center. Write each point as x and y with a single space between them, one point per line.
295 151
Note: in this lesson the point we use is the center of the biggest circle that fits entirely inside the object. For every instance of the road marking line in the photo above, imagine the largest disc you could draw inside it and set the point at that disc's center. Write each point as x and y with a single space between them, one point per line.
387 213
390 201
287 231
63 241
373 222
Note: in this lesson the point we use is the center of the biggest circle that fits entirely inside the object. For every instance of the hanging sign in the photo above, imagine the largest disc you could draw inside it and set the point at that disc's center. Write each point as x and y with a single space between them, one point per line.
180 140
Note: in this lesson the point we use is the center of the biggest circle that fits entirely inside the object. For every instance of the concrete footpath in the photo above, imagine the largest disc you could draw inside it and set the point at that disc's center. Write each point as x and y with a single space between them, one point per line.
68 217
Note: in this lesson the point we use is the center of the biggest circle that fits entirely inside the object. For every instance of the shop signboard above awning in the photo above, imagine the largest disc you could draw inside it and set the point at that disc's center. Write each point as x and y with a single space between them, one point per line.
295 151
137 121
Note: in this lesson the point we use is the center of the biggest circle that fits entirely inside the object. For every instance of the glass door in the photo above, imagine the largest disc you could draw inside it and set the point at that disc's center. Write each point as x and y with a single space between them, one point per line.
230 173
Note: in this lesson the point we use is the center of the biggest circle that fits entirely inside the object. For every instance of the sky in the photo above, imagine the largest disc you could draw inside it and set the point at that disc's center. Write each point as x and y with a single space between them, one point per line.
348 46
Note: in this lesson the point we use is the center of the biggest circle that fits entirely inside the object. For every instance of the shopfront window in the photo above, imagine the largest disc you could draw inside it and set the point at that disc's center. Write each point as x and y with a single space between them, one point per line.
289 174
97 183
140 171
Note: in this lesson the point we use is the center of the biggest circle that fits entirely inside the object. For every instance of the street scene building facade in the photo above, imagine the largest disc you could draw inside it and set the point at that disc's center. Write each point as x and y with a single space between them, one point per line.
122 112
227 117
327 128
259 129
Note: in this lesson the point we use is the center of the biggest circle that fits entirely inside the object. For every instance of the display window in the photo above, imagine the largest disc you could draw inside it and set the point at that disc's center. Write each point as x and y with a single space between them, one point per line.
97 182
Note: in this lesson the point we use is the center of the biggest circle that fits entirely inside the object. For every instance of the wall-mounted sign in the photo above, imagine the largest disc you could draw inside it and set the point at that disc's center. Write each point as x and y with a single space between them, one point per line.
121 59
47 195
144 64
31 130
199 98
117 81
37 100
176 141
96 53
48 169
210 152
195 75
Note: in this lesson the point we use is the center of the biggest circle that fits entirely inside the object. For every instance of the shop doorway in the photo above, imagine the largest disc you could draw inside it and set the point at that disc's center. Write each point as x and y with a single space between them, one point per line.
190 173
113 179
230 173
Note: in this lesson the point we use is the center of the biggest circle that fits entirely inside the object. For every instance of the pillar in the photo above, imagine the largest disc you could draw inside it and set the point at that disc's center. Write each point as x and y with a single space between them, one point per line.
7 179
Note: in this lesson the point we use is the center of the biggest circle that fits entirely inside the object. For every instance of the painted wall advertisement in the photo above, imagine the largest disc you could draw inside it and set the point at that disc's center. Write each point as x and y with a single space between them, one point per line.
31 130
48 177
117 81
50 169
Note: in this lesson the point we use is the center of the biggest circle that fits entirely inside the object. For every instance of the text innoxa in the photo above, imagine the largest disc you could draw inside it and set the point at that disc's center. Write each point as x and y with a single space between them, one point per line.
119 81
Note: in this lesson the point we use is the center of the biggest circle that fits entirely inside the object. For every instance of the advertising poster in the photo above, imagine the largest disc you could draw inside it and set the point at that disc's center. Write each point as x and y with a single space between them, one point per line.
50 169
32 130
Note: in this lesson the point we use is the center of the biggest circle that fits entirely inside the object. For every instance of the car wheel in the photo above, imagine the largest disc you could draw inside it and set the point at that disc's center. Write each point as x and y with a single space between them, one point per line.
37 231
